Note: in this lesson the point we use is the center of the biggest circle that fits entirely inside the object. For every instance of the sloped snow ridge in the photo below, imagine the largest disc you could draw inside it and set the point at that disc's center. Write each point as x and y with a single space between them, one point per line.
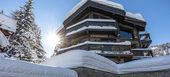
82 58
12 68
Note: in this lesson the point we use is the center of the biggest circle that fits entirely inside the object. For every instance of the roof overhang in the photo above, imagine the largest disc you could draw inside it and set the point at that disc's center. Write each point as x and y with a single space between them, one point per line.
91 5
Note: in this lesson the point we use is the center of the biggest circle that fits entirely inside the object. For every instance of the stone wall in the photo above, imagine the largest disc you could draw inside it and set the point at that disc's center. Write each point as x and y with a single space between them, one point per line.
86 72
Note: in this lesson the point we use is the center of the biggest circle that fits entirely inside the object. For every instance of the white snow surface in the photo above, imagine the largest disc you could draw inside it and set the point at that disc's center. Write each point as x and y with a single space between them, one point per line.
7 23
92 27
136 16
99 43
103 2
82 58
13 68
85 20
3 40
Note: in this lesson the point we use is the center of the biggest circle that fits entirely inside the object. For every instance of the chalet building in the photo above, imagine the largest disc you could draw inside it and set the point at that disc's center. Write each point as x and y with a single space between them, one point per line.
106 28
7 28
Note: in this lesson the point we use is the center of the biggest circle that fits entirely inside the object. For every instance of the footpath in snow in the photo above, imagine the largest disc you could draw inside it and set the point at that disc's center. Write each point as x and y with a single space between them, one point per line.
12 68
82 58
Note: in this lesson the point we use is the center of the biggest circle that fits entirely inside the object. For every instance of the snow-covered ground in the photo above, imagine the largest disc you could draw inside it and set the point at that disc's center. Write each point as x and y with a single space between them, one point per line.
82 58
13 68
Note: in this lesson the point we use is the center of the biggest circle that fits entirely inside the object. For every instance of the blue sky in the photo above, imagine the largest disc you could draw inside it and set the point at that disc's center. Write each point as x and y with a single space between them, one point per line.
49 15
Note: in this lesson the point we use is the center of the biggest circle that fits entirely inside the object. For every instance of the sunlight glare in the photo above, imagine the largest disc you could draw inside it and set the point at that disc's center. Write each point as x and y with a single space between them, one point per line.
53 39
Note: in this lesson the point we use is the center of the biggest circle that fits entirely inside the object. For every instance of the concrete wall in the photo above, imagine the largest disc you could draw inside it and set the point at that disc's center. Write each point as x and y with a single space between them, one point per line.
86 72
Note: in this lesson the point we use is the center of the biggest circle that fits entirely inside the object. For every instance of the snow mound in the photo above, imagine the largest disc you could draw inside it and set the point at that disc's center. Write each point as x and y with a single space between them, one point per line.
136 16
146 64
12 68
103 2
7 23
82 58
3 40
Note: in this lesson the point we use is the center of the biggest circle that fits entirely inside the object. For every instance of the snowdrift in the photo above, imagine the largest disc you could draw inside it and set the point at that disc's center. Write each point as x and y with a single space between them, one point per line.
82 58
11 68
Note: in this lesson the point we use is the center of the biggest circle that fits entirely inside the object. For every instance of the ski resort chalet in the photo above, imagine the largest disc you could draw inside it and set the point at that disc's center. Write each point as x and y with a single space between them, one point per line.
7 28
105 28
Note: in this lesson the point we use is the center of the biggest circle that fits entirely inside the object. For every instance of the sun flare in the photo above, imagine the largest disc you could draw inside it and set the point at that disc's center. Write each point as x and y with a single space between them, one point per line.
53 39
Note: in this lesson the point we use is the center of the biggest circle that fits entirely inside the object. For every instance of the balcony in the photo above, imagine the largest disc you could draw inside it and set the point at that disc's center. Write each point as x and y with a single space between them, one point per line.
145 40
102 46
92 24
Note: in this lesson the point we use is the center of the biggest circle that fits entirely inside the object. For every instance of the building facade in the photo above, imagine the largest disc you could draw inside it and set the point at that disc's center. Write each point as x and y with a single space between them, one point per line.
106 28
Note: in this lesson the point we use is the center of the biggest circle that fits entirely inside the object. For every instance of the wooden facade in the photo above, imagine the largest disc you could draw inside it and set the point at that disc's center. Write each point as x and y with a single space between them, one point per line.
96 27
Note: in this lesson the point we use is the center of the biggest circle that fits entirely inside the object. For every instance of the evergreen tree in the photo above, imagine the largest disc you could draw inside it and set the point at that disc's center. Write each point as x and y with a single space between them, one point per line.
26 39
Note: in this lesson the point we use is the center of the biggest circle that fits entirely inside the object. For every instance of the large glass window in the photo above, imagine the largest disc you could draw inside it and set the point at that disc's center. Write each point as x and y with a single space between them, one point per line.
125 35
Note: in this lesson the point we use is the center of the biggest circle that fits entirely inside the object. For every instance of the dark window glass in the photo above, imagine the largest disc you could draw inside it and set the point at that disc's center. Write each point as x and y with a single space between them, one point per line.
125 35
95 16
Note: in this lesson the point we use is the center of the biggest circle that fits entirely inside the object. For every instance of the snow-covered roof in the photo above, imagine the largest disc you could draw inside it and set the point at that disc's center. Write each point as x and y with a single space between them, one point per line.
135 16
7 23
103 2
85 20
92 27
97 43
3 40
82 58
13 68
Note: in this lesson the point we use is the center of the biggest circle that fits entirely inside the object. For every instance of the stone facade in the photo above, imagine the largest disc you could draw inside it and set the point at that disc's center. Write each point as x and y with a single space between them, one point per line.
87 72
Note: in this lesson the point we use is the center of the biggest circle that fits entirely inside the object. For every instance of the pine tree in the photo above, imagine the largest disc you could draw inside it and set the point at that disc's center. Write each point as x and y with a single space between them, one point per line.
26 39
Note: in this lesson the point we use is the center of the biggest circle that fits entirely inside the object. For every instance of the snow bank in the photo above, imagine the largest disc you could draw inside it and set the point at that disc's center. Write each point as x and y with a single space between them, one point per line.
82 58
7 23
103 2
136 16
146 64
3 40
12 68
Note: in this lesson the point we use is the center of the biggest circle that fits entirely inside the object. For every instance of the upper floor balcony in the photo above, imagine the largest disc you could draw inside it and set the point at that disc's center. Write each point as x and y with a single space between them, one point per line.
145 40
92 25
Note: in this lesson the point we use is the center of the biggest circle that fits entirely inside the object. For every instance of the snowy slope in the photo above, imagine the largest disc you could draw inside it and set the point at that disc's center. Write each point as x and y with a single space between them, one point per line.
11 68
3 40
82 58
7 23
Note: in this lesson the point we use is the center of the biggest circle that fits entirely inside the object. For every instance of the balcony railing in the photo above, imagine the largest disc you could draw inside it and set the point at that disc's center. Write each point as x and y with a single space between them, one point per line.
145 40
100 23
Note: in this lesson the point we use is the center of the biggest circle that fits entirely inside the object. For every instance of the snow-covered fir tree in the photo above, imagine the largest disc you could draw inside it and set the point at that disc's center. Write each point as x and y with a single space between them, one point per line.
26 39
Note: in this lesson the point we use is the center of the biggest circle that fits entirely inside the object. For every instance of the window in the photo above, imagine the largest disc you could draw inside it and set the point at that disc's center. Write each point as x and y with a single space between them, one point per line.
125 35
